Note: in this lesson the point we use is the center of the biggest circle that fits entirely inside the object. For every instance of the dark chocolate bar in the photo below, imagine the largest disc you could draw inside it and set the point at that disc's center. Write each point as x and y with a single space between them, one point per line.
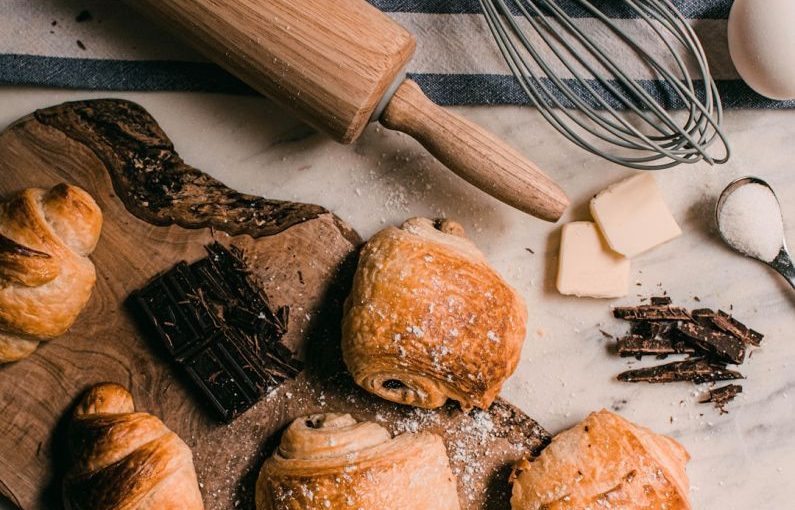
695 370
218 325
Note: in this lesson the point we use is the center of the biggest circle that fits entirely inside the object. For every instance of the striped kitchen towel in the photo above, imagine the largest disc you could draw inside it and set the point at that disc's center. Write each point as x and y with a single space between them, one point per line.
106 45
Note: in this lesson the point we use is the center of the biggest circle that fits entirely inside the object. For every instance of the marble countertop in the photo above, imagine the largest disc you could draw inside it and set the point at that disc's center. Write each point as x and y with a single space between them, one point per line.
741 460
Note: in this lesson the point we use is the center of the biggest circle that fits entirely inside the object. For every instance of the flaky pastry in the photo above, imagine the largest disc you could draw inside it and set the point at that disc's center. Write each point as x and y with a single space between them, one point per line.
126 460
46 277
428 319
333 461
604 462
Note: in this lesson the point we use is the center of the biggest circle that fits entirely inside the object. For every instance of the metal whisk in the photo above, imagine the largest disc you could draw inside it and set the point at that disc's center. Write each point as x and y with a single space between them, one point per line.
574 72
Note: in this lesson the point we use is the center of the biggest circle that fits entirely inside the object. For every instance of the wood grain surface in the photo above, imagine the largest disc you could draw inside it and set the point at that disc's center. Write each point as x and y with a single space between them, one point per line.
303 255
329 61
334 63
476 155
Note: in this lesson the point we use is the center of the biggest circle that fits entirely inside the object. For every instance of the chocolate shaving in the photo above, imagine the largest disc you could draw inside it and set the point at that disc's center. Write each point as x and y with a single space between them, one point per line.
696 370
728 324
661 301
658 330
639 346
651 313
217 323
713 342
712 338
722 396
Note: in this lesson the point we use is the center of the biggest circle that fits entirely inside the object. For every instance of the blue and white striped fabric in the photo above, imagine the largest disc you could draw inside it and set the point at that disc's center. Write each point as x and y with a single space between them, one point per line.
42 43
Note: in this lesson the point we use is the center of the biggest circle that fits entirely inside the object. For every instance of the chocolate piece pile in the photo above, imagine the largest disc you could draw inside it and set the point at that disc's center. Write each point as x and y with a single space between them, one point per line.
218 325
711 340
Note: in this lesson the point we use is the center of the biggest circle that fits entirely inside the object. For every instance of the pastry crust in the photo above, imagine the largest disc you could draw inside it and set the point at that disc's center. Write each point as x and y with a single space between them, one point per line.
46 277
428 319
332 461
604 462
124 460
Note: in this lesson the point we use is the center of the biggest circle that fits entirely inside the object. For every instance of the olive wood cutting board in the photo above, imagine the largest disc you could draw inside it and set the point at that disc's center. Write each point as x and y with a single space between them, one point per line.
159 211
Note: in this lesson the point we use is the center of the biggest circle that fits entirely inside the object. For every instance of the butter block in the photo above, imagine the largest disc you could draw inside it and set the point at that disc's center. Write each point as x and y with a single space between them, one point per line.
587 265
633 216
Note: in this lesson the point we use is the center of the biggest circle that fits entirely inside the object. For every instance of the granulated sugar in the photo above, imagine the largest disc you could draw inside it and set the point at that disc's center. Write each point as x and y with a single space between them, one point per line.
750 220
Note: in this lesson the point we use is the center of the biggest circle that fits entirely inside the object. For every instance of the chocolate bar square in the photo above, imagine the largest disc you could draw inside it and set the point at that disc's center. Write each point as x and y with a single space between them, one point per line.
217 324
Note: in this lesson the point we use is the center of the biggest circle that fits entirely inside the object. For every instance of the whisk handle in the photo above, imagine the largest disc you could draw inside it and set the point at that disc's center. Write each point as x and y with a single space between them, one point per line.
474 154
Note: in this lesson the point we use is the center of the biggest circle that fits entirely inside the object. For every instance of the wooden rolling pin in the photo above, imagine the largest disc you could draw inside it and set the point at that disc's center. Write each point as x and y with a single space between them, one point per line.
338 64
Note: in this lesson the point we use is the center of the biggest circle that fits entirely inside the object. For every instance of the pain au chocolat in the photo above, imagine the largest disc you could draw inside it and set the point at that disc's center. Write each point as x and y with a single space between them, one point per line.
428 319
333 461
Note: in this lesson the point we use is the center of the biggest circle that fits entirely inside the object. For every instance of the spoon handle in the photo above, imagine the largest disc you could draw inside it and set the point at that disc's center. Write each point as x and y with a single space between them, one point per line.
783 264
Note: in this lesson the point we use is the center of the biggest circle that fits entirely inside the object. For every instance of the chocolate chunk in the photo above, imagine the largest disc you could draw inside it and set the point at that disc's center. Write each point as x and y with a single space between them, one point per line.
651 313
713 342
217 323
722 396
659 330
732 326
696 370
728 324
703 315
639 346
661 301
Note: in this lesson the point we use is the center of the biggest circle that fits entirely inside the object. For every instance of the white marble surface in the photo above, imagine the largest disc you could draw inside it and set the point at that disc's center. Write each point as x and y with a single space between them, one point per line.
742 460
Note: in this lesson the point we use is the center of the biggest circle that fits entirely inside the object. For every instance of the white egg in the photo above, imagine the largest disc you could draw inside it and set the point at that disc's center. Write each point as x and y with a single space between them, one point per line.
762 45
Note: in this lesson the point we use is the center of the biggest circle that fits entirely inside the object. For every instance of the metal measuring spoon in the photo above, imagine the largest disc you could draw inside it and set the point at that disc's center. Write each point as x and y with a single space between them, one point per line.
783 262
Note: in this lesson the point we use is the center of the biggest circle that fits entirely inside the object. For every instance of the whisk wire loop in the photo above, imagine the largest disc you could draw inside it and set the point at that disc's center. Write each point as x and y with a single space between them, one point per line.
599 106
611 127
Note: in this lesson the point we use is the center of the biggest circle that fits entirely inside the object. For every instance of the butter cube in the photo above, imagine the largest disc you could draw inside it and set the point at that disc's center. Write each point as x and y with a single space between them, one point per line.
587 266
633 216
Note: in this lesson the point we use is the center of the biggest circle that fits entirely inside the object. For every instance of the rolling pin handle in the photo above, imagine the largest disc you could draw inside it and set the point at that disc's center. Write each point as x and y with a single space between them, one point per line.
474 154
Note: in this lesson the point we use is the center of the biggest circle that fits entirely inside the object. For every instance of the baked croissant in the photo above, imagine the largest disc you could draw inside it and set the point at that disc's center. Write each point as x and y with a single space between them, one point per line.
331 461
124 460
604 462
46 277
428 319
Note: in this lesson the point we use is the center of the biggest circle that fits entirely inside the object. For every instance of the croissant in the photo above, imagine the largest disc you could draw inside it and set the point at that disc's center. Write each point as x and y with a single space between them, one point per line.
331 461
124 460
604 462
428 319
46 277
